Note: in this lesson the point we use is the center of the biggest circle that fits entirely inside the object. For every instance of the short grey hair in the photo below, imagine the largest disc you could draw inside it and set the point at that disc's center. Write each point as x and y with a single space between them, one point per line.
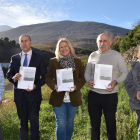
23 35
102 34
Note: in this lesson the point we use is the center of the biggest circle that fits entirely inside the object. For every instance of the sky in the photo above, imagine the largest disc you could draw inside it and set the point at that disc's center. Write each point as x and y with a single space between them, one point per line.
121 13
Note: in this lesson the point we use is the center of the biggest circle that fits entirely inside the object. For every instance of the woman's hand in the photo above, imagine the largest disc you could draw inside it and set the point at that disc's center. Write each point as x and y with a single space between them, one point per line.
72 89
56 88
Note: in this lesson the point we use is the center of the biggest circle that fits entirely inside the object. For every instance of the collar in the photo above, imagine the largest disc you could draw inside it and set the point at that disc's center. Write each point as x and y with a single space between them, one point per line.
29 53
104 52
61 56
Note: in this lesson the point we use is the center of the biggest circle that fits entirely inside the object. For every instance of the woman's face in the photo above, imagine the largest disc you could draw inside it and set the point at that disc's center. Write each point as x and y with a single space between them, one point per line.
64 49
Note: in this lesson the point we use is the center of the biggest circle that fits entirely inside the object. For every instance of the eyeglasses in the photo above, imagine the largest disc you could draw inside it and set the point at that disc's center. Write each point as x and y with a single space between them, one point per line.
22 41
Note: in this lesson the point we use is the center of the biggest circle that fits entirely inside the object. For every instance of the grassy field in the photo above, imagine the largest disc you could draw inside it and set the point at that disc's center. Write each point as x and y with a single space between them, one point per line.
126 119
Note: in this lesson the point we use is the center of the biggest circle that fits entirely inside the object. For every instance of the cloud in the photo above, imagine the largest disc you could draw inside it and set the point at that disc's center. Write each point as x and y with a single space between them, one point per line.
106 17
31 13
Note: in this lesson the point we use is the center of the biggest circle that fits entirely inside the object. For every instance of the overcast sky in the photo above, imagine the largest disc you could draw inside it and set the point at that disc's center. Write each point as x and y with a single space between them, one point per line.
122 13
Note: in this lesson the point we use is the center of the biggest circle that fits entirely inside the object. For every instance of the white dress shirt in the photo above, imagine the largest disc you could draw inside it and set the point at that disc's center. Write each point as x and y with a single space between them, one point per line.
29 54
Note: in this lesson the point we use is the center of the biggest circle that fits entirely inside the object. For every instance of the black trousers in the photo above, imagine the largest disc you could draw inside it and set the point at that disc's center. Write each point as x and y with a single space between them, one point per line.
108 104
1 135
28 110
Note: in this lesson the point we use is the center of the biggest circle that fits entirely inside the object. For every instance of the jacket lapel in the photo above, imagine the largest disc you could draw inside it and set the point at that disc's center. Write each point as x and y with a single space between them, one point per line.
32 61
19 60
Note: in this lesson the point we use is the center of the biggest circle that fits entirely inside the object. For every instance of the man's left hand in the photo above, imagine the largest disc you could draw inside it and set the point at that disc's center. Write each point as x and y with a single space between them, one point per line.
31 89
111 86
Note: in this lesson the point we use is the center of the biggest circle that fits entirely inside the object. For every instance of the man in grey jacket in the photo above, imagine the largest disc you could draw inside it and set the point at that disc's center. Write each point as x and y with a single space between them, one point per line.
104 99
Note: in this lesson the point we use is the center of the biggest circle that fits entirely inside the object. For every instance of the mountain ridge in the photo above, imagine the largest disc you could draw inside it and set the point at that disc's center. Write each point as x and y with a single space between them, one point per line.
80 33
4 28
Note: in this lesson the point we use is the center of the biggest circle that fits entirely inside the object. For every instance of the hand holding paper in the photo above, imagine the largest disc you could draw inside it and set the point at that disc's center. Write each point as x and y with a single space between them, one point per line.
111 86
91 83
64 79
26 81
72 89
17 76
56 88
103 76
30 89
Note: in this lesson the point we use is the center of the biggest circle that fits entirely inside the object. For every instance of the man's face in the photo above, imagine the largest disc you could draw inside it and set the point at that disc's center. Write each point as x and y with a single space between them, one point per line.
103 43
25 43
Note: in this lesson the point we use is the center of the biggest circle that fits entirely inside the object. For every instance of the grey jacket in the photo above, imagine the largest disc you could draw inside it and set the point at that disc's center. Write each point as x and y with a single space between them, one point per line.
132 85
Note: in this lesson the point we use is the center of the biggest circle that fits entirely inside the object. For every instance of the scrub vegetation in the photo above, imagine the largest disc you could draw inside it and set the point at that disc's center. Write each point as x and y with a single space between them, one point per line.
126 119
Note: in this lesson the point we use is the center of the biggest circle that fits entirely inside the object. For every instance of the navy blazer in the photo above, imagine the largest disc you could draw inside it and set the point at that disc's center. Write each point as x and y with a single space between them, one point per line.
37 61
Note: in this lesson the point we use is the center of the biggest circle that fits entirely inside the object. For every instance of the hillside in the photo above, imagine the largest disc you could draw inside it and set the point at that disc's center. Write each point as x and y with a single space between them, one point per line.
78 50
4 28
81 34
7 50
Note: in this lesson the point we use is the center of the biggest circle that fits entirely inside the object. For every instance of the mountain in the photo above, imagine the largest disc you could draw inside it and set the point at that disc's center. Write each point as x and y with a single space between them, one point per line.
81 34
4 28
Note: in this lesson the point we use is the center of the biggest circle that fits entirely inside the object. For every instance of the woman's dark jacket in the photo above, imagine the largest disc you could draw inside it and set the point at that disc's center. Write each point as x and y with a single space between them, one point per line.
56 98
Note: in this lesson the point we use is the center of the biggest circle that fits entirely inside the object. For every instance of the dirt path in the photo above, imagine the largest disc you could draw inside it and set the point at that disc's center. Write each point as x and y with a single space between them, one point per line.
9 86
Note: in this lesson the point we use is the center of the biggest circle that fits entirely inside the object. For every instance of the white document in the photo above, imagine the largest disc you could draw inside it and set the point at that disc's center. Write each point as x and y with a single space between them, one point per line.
64 79
102 76
27 79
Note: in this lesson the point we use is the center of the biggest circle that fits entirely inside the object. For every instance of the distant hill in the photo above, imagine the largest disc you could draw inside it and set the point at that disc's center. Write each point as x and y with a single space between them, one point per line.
78 50
4 28
81 34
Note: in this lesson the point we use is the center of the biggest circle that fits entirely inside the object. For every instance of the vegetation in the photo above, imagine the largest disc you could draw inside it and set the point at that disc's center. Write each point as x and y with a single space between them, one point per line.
116 44
130 40
6 39
126 119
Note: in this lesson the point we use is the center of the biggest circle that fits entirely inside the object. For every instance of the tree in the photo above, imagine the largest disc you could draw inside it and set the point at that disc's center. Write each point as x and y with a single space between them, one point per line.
116 44
13 42
6 39
130 40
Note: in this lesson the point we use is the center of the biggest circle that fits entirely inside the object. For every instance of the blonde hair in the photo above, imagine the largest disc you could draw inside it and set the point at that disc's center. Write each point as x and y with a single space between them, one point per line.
57 52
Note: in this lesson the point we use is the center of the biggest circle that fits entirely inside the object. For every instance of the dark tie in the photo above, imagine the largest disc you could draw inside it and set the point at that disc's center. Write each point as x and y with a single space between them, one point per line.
25 61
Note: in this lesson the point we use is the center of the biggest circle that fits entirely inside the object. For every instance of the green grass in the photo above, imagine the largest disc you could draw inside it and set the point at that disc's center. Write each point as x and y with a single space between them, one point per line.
126 119
6 82
8 94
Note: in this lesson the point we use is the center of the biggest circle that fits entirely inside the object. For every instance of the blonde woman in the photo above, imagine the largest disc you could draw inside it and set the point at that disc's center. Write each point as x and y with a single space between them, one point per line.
65 103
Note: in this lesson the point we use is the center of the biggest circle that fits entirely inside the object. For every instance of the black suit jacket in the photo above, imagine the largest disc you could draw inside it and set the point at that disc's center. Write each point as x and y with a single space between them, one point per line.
37 61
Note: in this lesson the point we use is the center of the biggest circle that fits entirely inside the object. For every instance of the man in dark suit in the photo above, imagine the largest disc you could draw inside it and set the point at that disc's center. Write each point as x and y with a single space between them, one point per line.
27 101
